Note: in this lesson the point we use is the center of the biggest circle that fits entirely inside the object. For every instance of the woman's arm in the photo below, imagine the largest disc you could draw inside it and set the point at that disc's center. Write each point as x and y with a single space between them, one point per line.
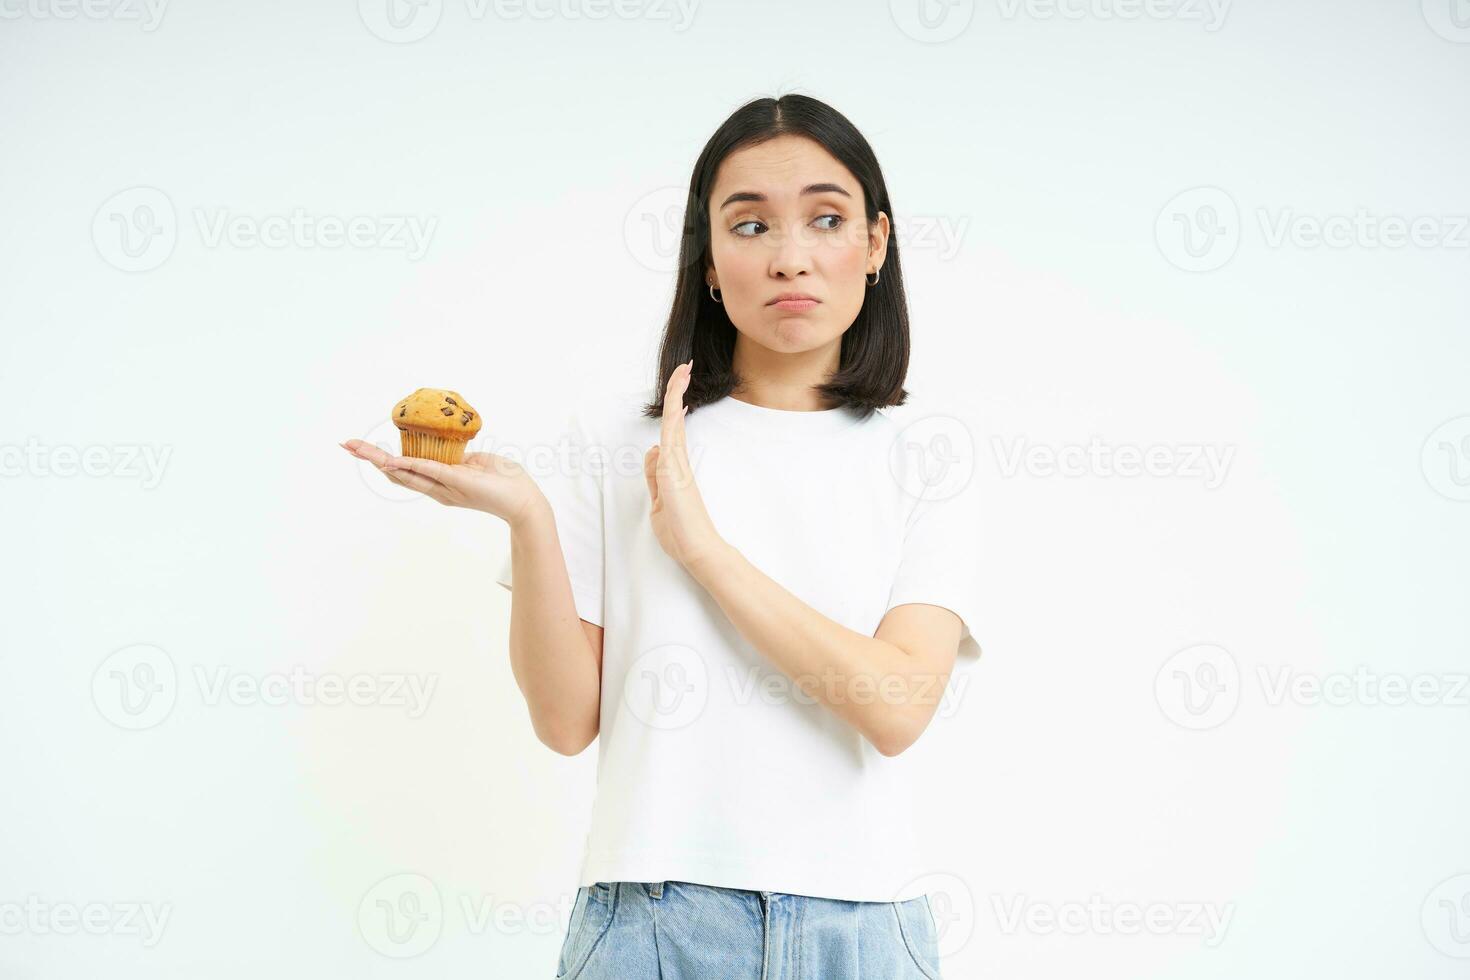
555 656
887 686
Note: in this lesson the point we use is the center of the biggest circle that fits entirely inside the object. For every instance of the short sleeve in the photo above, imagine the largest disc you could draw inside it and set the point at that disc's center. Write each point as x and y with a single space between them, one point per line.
570 476
940 562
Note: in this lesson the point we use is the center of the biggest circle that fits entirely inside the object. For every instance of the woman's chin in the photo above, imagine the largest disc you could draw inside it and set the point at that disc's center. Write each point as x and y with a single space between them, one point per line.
795 335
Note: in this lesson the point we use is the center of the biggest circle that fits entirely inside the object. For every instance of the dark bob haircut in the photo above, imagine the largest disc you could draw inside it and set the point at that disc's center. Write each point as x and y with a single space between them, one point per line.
874 356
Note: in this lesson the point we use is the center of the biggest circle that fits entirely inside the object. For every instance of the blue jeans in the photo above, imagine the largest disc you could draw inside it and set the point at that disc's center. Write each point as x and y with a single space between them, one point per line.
676 930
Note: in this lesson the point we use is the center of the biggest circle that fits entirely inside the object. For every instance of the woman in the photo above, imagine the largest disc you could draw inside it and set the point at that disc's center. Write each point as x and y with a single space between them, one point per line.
780 618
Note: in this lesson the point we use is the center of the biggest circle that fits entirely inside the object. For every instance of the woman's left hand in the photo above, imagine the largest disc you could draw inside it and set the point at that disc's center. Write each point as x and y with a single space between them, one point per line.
680 521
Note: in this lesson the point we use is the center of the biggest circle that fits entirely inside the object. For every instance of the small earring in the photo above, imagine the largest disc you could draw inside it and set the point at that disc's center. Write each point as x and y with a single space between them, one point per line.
712 295
877 274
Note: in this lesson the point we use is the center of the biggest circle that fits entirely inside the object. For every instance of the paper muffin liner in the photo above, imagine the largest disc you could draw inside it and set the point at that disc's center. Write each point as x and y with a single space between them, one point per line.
426 446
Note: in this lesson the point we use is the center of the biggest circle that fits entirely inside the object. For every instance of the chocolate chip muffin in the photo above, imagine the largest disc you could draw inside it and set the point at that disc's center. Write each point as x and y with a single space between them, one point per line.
435 423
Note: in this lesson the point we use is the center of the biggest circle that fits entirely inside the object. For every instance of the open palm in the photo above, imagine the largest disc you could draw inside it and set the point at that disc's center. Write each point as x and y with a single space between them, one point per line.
484 481
680 521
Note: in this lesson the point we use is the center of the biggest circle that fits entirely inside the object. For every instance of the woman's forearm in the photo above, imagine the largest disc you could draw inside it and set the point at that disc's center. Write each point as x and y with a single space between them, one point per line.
871 684
554 664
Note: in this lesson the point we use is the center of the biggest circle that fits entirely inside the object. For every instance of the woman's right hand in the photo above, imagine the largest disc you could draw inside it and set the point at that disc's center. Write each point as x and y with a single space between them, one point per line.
484 481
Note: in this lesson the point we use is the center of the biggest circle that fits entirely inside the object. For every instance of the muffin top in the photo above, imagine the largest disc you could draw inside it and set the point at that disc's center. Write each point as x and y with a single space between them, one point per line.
439 411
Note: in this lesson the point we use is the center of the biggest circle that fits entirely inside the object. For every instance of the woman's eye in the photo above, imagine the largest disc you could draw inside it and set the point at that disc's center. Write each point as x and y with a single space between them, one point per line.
836 220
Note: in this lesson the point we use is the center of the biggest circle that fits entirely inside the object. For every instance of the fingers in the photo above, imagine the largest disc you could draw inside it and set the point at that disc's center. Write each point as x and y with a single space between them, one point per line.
650 466
412 480
365 450
407 471
437 472
396 469
671 431
672 460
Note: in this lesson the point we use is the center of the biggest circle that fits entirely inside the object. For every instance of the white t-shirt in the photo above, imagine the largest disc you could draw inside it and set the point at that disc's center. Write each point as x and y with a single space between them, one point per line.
712 766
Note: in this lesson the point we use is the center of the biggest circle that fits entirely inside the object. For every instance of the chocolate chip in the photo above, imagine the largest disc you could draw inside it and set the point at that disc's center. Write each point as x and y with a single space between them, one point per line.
465 418
403 411
447 411
451 401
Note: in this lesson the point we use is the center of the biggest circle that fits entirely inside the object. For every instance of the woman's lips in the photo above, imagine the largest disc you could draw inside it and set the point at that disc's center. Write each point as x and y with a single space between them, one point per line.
794 305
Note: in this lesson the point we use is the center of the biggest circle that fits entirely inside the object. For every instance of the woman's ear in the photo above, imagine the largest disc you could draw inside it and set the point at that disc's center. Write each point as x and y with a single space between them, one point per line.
878 230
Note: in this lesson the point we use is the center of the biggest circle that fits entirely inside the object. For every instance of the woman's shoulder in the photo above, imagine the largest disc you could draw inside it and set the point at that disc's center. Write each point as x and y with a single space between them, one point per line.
918 419
612 419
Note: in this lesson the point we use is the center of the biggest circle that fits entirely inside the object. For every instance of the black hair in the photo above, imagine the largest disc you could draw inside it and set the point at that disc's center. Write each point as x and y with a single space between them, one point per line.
874 355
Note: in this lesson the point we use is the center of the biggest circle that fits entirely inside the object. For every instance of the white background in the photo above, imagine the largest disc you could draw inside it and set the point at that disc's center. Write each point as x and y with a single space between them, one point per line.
1036 157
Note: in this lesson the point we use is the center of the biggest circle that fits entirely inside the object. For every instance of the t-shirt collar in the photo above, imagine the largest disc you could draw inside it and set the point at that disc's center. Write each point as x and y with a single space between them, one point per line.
779 422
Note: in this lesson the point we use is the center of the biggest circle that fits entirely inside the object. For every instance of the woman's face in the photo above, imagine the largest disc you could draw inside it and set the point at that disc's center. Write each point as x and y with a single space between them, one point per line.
787 217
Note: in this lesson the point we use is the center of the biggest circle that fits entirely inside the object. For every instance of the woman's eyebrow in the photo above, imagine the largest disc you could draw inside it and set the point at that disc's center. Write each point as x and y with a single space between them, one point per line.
808 189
